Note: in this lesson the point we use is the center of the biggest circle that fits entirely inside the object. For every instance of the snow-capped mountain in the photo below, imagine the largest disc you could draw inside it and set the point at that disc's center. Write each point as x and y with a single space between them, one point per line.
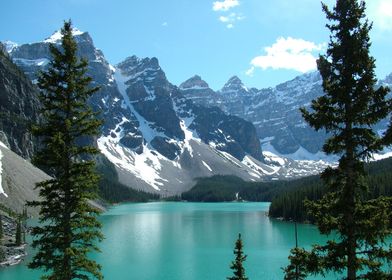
159 140
275 113
161 137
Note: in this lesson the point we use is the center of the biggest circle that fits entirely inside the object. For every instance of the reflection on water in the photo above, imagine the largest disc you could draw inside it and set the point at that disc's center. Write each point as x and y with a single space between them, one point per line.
190 241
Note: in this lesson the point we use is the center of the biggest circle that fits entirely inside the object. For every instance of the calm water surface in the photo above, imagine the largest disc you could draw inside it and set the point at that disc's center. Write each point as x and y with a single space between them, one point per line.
190 241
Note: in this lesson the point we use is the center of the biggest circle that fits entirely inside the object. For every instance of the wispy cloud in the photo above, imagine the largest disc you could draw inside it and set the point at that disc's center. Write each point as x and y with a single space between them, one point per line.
229 20
288 53
224 19
165 24
224 5
380 12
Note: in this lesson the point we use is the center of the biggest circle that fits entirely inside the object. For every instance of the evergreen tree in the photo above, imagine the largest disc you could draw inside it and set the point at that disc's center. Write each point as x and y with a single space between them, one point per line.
24 219
237 264
1 228
348 110
2 255
68 229
18 234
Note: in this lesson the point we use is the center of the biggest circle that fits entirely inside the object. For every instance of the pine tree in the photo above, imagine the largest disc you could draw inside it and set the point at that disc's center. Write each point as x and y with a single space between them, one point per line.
1 228
237 264
18 234
24 219
69 228
2 254
347 111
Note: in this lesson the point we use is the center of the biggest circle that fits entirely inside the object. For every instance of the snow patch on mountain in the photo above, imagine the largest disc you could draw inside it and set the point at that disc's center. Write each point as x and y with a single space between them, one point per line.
32 62
300 155
195 88
56 36
206 165
9 46
1 171
145 166
267 170
188 135
148 132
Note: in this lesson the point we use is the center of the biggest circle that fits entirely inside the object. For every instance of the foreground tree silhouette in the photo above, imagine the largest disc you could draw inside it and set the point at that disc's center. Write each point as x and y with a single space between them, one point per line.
237 264
68 229
348 110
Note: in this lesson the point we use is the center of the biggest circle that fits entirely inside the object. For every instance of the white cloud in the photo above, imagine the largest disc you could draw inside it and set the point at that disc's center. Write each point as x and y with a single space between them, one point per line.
250 71
165 24
288 53
224 5
231 19
224 19
380 12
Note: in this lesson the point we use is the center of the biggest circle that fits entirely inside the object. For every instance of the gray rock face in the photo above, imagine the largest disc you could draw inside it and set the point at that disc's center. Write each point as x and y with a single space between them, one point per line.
18 181
273 111
162 105
19 107
194 83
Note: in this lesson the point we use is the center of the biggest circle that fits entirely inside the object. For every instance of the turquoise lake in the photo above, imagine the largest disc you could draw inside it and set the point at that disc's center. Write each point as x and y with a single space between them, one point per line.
190 241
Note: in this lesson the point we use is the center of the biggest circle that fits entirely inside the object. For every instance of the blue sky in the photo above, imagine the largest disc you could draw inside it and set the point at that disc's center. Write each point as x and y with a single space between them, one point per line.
264 42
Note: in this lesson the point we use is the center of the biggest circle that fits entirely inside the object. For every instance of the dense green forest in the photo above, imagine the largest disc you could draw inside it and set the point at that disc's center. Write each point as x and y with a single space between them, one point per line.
286 196
289 204
221 188
224 188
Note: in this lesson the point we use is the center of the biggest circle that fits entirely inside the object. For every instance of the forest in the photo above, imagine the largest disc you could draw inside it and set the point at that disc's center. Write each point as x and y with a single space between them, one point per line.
286 197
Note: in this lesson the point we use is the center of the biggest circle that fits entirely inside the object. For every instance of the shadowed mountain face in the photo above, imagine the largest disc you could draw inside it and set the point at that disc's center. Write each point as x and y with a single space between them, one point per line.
19 106
273 111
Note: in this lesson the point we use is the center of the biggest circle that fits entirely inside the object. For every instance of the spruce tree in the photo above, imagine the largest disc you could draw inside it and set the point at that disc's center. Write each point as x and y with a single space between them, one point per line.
347 111
237 264
1 228
68 229
2 254
18 234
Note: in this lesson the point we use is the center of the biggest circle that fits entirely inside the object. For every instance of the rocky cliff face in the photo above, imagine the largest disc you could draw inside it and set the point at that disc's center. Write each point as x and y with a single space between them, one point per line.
17 179
18 108
273 111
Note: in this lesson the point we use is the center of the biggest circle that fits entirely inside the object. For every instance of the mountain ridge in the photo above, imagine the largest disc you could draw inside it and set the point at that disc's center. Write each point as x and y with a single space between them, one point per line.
152 152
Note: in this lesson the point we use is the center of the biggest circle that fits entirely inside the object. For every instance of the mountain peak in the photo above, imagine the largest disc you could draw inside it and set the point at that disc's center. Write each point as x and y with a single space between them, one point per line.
388 79
9 46
196 82
234 84
132 62
56 36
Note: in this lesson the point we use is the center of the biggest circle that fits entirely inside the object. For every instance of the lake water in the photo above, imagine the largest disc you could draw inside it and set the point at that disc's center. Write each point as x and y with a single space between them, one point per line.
190 241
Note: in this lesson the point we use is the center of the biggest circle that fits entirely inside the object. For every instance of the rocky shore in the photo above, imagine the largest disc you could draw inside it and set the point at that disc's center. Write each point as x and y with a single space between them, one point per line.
12 254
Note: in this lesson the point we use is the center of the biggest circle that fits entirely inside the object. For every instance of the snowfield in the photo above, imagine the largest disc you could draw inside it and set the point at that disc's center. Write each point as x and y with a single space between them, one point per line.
1 170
